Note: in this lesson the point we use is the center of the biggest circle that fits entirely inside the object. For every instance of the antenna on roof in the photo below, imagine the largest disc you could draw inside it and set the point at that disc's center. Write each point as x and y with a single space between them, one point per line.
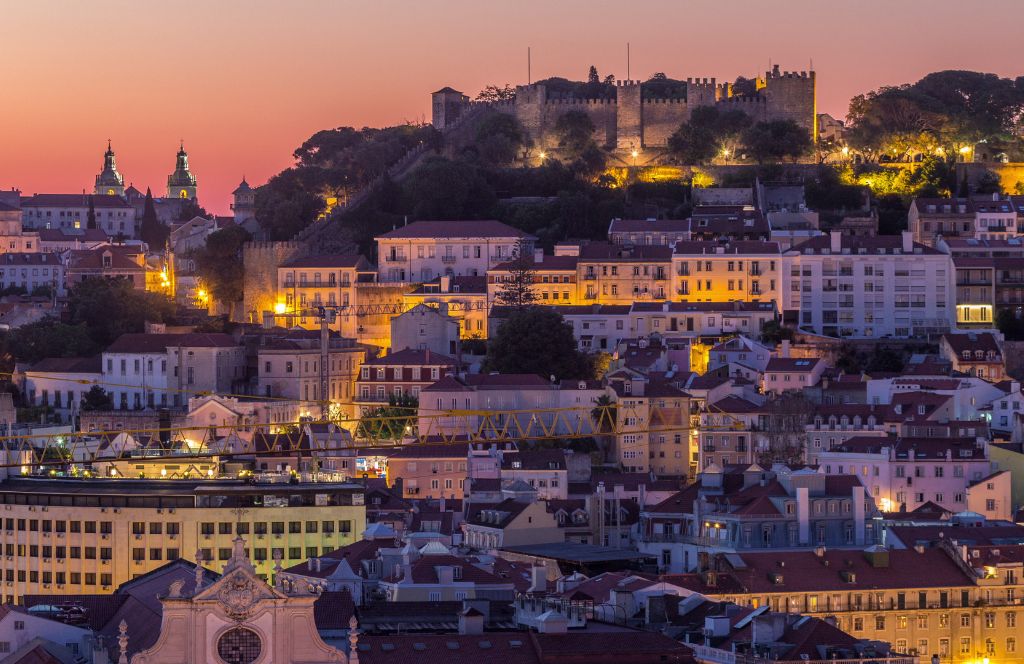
529 67
627 62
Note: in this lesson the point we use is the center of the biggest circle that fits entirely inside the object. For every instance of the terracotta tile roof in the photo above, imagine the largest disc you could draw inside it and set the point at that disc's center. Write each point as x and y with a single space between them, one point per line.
649 225
92 365
457 450
548 264
793 364
878 244
734 247
328 261
73 200
134 342
508 510
972 341
485 228
37 258
608 252
503 647
411 357
804 571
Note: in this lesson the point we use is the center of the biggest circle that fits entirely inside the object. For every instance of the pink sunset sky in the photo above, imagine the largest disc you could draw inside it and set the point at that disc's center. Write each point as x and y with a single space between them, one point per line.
244 82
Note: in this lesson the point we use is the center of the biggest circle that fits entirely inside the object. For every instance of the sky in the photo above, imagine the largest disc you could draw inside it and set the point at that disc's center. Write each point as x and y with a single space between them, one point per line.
245 82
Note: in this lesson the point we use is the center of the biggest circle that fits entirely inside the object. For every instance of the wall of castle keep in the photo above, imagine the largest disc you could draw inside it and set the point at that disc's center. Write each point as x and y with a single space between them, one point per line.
261 260
630 122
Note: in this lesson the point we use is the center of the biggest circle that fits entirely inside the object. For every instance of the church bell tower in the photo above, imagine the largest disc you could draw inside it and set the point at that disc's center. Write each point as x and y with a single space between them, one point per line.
109 182
181 183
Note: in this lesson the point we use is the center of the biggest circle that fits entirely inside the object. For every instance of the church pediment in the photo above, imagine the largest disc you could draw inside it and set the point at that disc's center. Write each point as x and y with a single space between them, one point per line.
239 593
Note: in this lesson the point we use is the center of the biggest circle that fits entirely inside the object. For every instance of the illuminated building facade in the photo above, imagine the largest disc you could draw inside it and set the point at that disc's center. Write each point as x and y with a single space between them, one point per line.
87 536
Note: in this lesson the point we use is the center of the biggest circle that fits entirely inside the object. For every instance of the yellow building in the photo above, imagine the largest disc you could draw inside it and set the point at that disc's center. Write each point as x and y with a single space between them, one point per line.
87 536
739 270
652 424
555 279
961 603
304 284
464 299
616 274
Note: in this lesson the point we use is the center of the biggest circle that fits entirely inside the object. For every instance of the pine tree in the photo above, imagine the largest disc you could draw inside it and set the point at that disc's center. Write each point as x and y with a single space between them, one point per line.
517 292
90 220
153 232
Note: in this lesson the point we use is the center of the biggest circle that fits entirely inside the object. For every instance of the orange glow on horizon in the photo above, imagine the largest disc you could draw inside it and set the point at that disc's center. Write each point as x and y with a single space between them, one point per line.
245 83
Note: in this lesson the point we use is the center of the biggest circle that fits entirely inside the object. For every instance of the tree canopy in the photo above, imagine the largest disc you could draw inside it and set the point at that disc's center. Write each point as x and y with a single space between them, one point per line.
153 232
109 308
219 264
942 112
776 140
536 340
50 338
710 132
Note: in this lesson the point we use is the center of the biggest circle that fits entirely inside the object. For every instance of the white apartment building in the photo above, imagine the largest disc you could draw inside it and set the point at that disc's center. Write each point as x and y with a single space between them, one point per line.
32 271
163 370
905 473
71 212
423 250
868 287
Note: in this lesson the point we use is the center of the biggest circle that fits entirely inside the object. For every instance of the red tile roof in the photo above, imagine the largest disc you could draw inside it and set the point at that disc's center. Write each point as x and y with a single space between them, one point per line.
485 228
158 343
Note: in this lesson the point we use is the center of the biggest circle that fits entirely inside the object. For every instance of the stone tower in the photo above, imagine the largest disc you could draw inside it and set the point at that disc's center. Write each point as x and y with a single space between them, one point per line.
181 183
629 117
447 105
791 95
109 181
244 205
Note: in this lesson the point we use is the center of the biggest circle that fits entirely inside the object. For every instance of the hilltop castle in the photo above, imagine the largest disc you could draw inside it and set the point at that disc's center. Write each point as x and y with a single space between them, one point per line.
634 120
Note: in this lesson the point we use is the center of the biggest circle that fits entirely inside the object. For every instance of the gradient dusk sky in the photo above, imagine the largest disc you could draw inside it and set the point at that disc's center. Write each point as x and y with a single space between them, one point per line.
245 82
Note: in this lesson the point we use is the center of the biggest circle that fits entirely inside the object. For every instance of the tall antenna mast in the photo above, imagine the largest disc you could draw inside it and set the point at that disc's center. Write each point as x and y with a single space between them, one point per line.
627 62
529 67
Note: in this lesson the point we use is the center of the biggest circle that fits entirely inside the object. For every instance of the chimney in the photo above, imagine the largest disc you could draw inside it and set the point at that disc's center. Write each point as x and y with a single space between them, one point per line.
538 255
471 621
538 580
858 515
908 242
803 514
835 241
446 284
784 348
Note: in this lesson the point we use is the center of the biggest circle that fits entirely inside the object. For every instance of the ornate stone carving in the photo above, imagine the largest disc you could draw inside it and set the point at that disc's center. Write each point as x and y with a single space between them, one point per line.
239 596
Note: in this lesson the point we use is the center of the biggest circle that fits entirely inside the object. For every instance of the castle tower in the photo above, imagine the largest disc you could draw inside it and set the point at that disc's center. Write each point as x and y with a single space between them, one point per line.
181 183
792 95
447 104
109 181
244 206
629 116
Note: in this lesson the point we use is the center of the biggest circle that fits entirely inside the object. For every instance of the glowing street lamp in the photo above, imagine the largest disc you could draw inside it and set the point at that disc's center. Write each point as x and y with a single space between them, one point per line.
634 154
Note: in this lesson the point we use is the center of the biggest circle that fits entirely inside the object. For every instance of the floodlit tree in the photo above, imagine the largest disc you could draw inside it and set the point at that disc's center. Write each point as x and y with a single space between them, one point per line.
783 430
394 421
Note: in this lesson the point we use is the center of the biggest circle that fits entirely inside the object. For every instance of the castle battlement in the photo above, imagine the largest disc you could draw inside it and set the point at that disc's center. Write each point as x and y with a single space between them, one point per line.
628 121
574 101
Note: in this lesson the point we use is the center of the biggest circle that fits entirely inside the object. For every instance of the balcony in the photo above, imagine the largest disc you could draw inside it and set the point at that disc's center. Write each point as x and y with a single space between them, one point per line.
448 259
398 258
718 656
590 276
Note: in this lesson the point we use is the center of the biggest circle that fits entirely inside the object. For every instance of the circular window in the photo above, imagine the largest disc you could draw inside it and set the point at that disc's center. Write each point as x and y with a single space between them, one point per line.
239 646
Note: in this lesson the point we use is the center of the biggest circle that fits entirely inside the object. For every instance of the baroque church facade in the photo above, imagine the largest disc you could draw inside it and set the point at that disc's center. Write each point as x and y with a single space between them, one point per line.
238 619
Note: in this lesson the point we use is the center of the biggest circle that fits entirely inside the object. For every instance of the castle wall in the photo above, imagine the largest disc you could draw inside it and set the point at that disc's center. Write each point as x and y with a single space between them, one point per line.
661 119
261 260
631 122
